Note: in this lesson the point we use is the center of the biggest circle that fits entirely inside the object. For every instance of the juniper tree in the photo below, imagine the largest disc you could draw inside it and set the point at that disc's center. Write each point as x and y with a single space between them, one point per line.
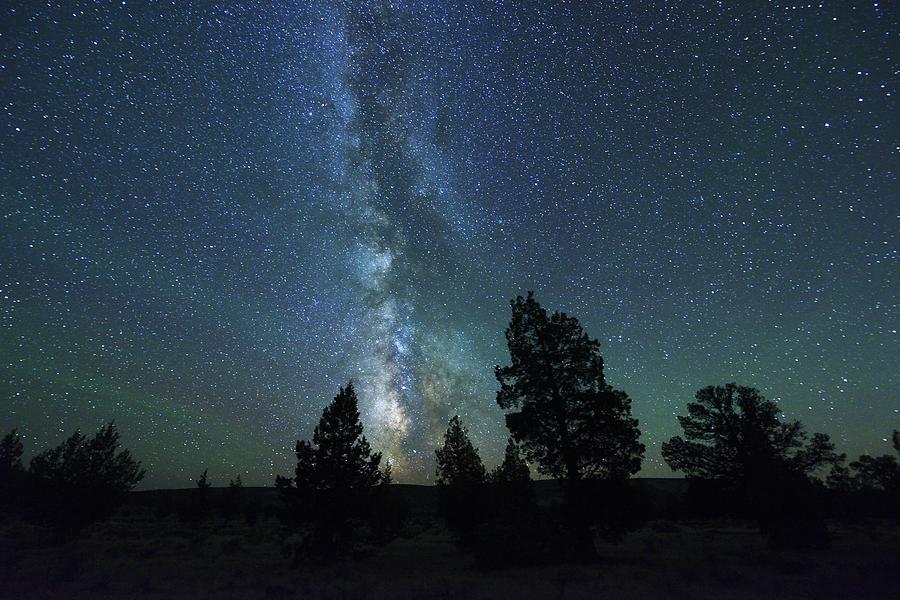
513 469
762 464
339 456
877 472
11 450
202 481
198 507
512 489
458 461
91 463
564 415
12 473
460 478
232 499
83 479
733 433
335 480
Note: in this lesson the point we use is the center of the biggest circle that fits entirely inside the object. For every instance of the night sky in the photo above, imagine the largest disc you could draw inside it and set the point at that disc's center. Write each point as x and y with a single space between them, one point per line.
212 217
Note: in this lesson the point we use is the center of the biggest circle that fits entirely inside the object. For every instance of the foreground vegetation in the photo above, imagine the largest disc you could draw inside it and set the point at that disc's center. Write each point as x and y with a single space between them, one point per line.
147 551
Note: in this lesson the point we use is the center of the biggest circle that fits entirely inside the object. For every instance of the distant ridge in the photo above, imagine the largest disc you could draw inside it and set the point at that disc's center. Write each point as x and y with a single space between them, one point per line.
418 498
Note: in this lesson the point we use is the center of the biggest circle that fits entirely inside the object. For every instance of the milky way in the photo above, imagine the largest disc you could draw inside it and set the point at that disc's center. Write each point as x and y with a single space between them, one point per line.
396 193
212 217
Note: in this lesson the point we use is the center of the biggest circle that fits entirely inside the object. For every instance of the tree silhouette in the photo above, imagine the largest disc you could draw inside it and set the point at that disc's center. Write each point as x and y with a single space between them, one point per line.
232 501
734 433
839 477
512 489
876 473
569 420
387 474
460 479
335 479
202 482
763 464
458 461
513 469
339 457
198 506
83 479
12 474
512 528
871 484
11 450
89 462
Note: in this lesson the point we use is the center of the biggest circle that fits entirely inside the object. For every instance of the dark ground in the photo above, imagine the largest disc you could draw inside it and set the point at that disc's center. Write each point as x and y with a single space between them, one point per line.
146 552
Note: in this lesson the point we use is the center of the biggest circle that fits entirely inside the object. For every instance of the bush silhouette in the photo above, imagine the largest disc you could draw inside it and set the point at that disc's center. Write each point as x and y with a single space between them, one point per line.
525 534
82 480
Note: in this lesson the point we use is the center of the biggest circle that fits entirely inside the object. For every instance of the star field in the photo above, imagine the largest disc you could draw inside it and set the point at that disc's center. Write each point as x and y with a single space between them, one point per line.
213 216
